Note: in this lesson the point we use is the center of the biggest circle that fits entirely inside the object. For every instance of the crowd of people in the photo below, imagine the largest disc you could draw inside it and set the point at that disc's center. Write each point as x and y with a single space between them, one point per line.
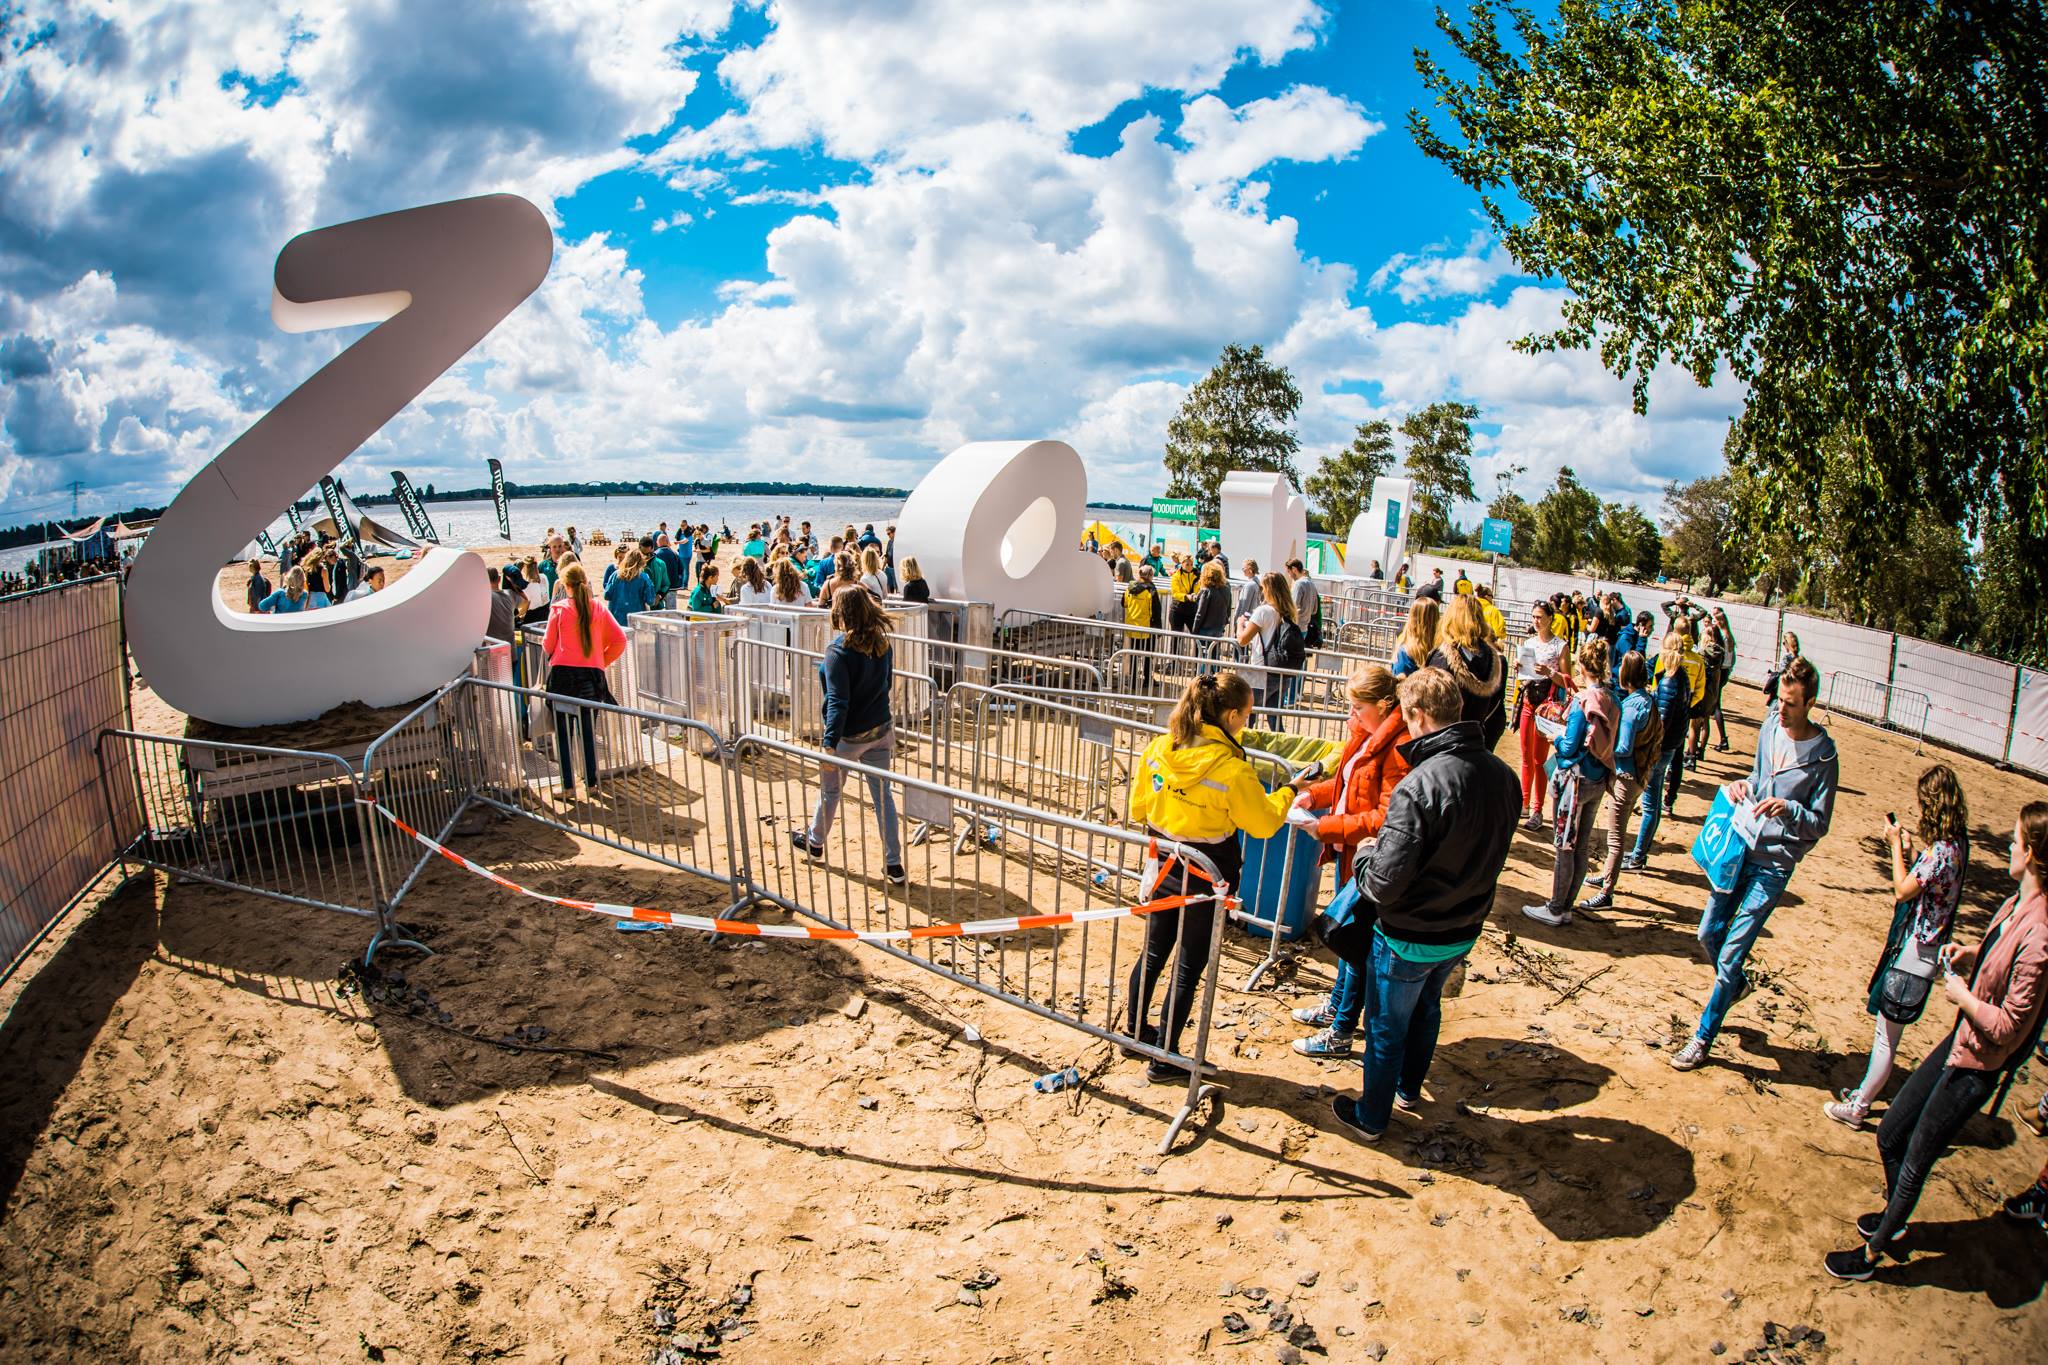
39 573
1417 813
1418 816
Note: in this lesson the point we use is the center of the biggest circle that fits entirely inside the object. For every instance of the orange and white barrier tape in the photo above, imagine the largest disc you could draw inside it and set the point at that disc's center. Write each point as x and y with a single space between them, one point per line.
711 925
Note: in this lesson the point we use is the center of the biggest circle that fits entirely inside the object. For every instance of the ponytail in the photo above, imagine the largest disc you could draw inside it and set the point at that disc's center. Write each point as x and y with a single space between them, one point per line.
1205 701
577 583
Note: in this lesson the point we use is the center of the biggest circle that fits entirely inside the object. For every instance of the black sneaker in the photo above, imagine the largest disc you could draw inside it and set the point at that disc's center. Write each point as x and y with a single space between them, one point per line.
895 873
802 842
2029 1205
1165 1073
1346 1110
1866 1227
1603 899
1854 1264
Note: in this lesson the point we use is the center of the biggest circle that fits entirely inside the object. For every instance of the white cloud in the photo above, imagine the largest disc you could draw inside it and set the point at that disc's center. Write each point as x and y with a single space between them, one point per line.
1304 124
872 80
974 277
1433 275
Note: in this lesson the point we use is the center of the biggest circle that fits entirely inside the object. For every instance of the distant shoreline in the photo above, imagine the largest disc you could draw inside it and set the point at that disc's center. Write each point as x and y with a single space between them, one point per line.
35 534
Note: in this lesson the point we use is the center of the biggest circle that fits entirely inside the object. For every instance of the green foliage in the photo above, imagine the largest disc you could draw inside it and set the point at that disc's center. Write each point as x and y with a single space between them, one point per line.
1440 463
2012 619
1626 544
1837 205
1702 539
1237 417
1566 521
1342 488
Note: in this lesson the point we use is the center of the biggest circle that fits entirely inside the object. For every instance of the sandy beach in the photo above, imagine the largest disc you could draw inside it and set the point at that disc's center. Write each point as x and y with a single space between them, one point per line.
216 1147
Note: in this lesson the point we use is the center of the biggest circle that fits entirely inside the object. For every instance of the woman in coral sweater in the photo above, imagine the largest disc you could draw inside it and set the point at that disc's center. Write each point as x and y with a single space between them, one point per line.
581 643
1356 797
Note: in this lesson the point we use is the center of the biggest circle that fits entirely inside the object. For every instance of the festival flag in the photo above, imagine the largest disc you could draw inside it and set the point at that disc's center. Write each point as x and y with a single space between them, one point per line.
291 513
269 545
416 519
332 496
498 497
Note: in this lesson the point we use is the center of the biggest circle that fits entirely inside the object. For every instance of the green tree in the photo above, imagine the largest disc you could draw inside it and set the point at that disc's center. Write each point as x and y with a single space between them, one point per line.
1626 543
1440 462
1237 417
2013 620
1837 205
1566 522
1342 488
1701 537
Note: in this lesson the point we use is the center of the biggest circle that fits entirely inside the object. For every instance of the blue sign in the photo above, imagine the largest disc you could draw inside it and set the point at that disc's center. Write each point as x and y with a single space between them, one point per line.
1393 518
1496 535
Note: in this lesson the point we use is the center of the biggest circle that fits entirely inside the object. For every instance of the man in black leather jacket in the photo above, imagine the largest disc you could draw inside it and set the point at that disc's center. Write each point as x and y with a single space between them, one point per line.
1430 877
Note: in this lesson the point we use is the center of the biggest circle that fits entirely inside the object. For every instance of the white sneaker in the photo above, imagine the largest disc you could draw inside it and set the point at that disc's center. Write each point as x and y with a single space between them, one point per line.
1543 914
1317 1015
1846 1112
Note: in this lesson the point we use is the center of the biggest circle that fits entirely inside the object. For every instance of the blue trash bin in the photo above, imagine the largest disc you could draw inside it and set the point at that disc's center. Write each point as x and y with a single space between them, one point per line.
1280 880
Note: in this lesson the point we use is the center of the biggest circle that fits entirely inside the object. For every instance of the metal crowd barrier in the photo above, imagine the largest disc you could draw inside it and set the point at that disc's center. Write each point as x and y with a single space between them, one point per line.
777 690
1050 754
281 823
1012 861
1879 704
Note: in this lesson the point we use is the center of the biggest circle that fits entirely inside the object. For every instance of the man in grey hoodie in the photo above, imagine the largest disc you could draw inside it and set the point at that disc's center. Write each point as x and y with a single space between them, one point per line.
1790 798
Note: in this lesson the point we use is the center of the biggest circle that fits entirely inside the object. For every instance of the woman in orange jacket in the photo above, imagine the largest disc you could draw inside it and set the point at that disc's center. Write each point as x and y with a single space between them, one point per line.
1356 797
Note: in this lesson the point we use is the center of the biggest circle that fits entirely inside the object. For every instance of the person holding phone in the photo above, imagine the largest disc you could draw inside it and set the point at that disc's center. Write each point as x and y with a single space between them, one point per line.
1997 989
1924 898
1789 797
1355 800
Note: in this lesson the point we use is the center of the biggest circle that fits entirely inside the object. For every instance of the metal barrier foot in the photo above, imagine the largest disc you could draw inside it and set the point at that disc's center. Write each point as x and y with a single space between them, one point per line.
393 938
1187 1111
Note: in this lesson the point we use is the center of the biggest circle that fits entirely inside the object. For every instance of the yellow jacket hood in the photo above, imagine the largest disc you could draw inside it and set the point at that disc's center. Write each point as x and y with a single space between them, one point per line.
1205 791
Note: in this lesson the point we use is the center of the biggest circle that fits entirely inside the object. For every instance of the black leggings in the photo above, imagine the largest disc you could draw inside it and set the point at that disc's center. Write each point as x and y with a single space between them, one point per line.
1932 1107
1162 930
581 719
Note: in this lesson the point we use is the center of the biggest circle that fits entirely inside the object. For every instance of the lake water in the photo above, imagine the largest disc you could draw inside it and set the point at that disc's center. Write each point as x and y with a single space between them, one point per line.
476 523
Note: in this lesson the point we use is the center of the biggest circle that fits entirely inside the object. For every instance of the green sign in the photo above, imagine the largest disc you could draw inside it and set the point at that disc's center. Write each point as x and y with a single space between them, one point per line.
1496 535
1393 517
1173 509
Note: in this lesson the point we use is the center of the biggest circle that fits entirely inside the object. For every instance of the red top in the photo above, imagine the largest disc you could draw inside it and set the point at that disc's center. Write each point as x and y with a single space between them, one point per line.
564 641
1359 805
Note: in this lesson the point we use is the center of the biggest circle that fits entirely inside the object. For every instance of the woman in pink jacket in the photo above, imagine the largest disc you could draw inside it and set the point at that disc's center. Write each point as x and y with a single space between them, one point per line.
1998 1006
582 642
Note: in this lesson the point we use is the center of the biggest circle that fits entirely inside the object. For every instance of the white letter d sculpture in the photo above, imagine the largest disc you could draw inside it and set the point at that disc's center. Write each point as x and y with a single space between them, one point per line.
437 279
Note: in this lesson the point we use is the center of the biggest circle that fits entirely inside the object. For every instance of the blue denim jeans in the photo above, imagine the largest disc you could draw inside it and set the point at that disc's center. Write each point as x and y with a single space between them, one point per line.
876 753
1347 998
1728 928
1407 1010
1651 810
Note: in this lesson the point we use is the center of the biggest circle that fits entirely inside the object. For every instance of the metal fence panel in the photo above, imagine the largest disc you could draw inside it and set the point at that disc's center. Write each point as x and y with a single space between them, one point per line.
282 823
2029 748
63 680
1835 647
1970 697
983 859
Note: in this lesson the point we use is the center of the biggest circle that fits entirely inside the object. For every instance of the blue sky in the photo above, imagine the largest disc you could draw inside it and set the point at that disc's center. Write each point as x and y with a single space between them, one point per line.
817 237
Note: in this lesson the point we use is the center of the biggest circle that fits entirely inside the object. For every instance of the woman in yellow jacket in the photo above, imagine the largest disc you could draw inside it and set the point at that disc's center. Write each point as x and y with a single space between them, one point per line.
1194 785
